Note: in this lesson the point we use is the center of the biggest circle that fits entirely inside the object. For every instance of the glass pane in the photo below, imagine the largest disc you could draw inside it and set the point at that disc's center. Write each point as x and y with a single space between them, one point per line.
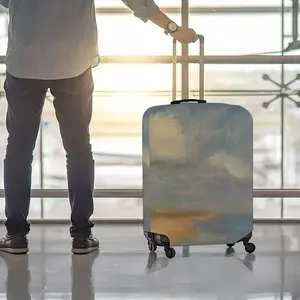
109 208
123 34
291 208
3 33
53 152
291 136
266 208
256 33
3 134
35 208
105 208
291 144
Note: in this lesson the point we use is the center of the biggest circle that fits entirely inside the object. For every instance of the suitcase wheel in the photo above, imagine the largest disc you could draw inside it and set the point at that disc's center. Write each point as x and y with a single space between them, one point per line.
250 247
151 246
170 252
155 240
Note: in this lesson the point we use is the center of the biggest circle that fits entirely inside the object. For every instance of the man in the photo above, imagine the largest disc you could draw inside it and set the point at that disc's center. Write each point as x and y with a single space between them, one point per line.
52 44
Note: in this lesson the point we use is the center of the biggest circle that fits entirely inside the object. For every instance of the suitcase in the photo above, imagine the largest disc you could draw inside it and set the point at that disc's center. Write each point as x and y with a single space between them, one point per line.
197 172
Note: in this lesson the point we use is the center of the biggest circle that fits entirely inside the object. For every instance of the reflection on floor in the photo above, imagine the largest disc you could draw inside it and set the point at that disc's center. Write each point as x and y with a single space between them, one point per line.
124 269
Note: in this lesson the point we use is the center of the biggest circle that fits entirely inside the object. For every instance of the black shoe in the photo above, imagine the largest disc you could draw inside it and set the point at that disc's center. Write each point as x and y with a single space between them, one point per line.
84 245
14 244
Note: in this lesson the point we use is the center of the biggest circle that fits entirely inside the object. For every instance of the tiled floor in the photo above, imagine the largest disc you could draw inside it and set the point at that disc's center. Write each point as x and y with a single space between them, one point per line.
124 270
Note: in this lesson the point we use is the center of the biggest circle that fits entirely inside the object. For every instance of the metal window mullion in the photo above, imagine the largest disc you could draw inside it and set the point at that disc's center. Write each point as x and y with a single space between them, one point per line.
41 168
282 114
185 52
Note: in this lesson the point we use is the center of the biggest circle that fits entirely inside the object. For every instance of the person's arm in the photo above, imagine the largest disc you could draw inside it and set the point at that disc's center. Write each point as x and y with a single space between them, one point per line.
160 19
148 10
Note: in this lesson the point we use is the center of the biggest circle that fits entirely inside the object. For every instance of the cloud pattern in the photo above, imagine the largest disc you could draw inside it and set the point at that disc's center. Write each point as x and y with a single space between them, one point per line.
198 172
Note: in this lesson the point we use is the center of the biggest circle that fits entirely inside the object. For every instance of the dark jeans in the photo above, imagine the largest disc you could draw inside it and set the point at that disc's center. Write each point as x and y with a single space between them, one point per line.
73 107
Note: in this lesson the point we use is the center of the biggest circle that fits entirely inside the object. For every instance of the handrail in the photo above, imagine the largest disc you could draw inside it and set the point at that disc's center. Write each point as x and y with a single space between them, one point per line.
194 59
232 9
138 193
209 59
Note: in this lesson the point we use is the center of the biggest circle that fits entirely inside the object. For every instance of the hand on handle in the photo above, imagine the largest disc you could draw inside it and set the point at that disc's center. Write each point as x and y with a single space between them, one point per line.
185 35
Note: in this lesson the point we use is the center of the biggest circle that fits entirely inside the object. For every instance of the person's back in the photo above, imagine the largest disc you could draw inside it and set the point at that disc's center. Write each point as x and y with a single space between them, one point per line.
52 44
51 39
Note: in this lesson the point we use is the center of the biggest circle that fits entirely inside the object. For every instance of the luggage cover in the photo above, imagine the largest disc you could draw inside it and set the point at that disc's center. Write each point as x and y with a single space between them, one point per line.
198 173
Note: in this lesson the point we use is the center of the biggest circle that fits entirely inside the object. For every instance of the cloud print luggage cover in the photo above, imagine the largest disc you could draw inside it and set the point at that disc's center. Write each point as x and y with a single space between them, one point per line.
197 175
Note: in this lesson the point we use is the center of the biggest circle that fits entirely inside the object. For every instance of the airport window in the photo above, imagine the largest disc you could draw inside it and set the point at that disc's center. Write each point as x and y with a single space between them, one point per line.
120 100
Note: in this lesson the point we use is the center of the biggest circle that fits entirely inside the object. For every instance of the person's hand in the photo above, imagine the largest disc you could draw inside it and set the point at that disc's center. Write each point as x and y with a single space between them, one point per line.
185 35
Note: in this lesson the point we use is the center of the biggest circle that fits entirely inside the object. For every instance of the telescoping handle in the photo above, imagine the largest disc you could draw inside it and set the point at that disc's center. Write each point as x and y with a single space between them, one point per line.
201 72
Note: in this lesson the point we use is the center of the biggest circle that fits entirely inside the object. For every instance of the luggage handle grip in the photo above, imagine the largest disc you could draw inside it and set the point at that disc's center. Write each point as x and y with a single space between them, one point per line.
201 68
187 100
